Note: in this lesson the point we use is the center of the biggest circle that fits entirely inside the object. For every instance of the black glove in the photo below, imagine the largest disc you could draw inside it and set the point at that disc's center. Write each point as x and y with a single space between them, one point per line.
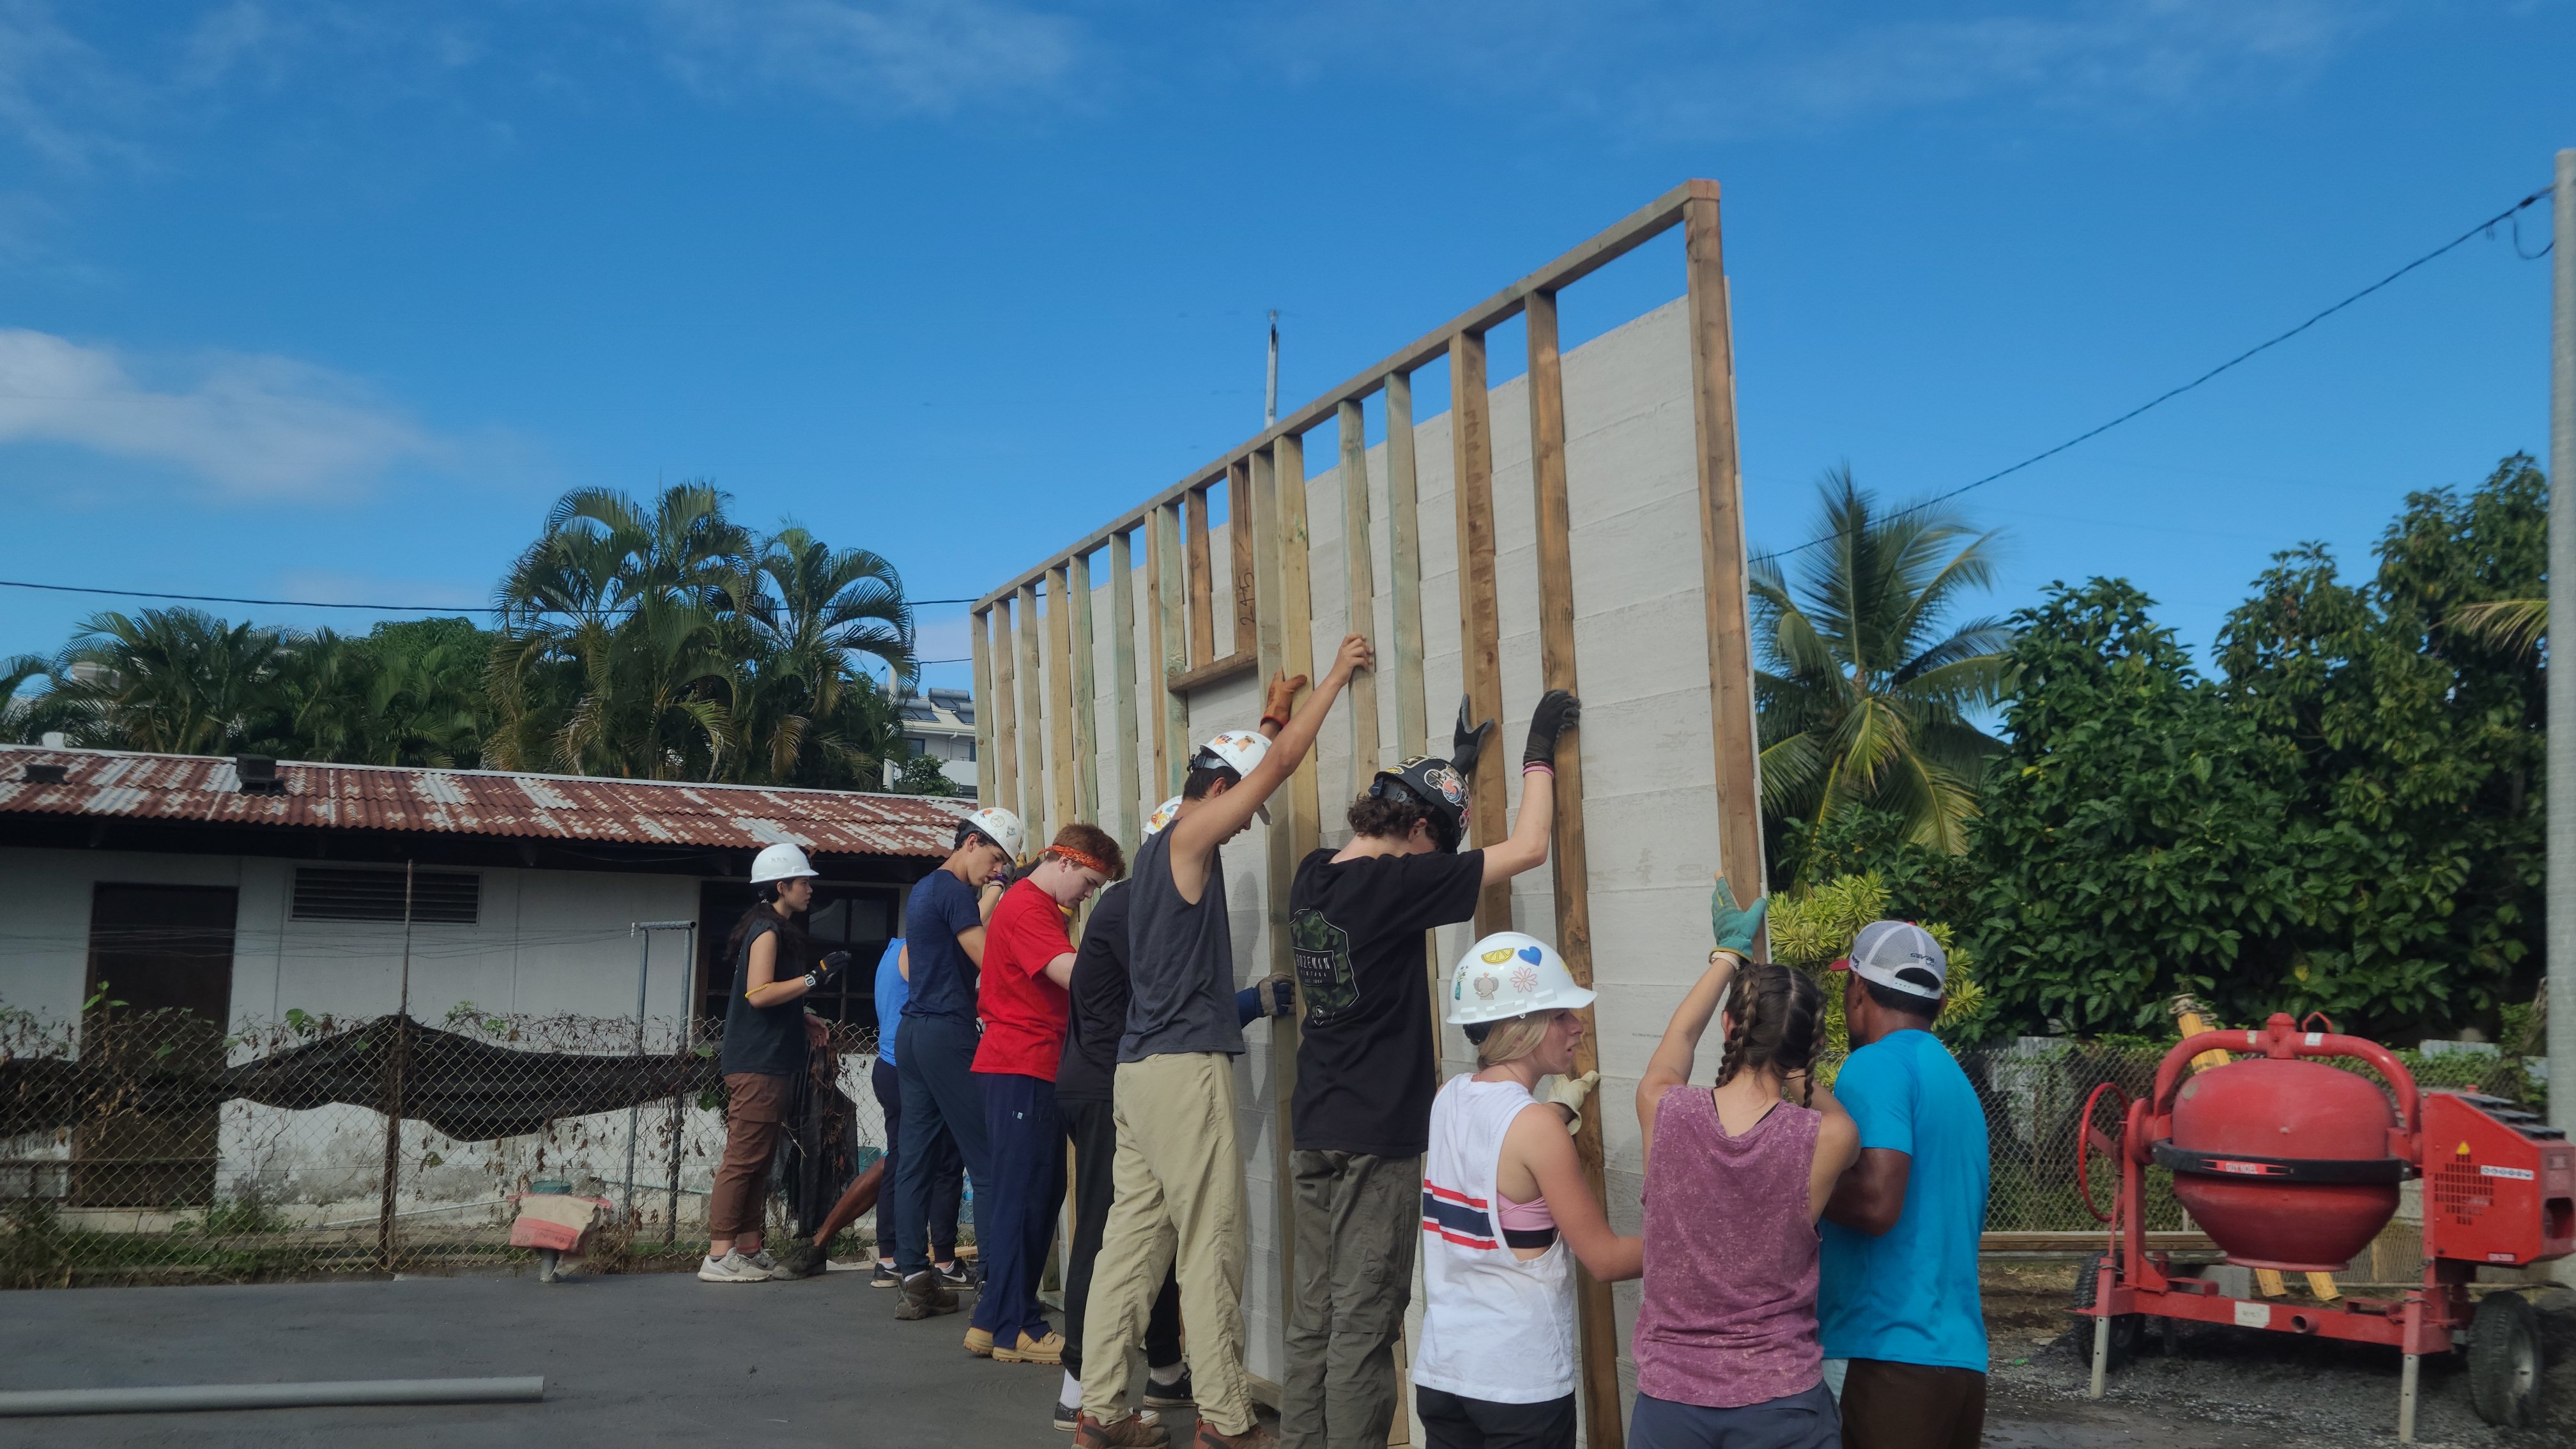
1466 746
1556 711
1283 996
831 967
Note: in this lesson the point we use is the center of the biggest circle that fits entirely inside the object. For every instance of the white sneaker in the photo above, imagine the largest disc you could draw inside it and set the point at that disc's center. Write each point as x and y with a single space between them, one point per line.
731 1268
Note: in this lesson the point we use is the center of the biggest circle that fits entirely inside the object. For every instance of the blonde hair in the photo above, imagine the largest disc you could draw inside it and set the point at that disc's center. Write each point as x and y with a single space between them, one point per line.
1513 1038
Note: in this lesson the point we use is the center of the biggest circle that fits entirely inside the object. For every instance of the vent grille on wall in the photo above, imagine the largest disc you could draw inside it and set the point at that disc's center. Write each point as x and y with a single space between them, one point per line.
438 897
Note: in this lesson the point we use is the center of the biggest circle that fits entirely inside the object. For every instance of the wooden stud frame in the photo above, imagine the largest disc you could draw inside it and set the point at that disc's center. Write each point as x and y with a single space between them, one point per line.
1269 589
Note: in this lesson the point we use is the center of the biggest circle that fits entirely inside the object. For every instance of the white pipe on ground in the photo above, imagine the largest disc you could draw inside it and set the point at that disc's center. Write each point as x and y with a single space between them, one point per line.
182 1398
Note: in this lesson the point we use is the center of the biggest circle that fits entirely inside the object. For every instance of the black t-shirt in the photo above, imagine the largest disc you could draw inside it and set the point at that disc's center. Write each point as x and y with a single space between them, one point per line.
1367 1064
1099 1014
768 1039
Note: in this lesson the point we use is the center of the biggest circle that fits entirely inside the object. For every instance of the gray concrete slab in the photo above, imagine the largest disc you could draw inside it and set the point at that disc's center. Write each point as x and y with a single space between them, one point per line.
644 1360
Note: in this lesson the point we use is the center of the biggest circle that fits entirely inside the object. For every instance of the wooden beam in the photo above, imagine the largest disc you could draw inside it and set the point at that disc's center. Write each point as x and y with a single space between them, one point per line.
1003 760
1033 720
1297 636
978 623
1598 1335
1723 571
1404 570
1122 663
1480 624
1239 509
1174 741
1242 661
1063 803
1630 232
1202 602
1280 839
1359 584
1086 696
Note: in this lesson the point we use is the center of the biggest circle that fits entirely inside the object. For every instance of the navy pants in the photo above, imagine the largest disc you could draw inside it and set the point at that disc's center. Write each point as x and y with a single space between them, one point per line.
933 1059
947 1171
1013 1227
1795 1421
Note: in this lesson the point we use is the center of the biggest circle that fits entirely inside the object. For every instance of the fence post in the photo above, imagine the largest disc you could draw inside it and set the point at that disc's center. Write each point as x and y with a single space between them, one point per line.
394 1063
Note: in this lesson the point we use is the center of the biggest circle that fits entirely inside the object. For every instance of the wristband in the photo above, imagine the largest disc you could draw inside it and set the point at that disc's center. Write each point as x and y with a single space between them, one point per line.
1539 767
1274 719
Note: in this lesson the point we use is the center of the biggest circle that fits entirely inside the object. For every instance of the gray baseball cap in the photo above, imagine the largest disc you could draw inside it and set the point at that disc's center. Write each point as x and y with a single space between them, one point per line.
1900 956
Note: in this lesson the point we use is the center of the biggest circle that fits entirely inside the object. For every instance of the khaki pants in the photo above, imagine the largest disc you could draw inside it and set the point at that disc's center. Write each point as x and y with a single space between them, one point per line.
1179 1190
1358 1221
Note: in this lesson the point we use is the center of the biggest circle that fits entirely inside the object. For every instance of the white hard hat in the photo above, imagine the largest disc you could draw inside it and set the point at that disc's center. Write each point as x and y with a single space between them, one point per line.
1163 815
1002 828
779 862
1241 751
1510 974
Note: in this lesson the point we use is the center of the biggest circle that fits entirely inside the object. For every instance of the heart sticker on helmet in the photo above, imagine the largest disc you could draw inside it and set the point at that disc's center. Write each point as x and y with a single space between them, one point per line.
1532 954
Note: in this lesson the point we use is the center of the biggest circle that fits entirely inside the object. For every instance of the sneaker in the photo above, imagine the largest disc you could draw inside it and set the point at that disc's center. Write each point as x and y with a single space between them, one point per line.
1174 1395
1049 1349
979 1342
886 1276
957 1275
731 1268
1068 1415
1136 1431
765 1263
924 1298
1259 1436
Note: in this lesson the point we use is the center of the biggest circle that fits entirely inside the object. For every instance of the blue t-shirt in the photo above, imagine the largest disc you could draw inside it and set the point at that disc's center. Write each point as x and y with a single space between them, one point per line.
1910 1296
943 976
891 991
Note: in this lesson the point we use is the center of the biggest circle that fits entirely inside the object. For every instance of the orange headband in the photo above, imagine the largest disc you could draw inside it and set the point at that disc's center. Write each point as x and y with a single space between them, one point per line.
1079 860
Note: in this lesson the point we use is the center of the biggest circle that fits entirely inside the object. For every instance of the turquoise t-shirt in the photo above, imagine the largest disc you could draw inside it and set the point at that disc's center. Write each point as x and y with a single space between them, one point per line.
1910 1296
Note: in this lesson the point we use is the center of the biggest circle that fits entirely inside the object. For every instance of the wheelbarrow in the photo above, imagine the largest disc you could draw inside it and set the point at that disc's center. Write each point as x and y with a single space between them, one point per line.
557 1222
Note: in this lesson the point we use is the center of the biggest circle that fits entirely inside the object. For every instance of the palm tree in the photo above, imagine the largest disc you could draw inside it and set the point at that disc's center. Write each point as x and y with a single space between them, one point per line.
1865 692
174 681
811 611
2515 626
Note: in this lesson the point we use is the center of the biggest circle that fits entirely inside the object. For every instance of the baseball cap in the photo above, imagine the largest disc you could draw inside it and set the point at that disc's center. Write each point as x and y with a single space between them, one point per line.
1900 956
1240 751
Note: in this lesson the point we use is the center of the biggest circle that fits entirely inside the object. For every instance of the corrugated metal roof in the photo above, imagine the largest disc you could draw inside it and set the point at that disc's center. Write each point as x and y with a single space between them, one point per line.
193 788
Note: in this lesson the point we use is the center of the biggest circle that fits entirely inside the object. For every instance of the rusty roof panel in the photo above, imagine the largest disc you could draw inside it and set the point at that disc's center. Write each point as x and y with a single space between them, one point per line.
478 802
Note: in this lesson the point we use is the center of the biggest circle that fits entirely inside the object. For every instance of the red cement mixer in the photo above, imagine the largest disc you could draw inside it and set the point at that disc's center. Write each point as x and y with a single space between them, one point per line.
2293 1165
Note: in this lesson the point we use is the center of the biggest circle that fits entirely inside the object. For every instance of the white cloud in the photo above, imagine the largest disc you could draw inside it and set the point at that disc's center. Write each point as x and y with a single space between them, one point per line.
931 57
252 425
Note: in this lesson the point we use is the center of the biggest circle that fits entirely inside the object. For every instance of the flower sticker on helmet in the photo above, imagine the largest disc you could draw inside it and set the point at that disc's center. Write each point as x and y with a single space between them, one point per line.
1525 978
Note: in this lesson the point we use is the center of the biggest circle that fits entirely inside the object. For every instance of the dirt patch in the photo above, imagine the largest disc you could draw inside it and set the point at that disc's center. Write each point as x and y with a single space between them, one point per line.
2211 1386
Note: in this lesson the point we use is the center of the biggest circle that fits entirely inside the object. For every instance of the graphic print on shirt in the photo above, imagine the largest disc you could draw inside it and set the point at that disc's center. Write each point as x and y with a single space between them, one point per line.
1323 952
1457 1217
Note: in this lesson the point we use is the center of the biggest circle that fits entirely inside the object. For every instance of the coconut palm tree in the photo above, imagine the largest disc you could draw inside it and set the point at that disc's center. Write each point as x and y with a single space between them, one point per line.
1865 691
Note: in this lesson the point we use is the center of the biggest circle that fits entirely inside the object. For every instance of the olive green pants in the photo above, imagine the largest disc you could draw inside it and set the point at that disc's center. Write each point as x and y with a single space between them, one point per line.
1358 1221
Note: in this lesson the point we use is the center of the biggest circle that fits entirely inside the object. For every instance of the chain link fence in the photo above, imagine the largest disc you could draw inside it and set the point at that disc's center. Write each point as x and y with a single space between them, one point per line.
160 1147
2034 1090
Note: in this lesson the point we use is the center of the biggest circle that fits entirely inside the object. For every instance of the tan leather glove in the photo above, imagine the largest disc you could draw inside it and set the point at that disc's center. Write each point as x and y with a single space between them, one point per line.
1570 1093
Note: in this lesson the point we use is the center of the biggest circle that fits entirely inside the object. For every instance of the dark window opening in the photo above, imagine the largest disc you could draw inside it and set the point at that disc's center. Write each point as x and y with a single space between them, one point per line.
859 919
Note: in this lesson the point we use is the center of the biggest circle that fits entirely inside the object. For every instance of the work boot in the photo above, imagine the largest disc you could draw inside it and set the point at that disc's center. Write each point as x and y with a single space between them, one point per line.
924 1298
1259 1436
1136 1431
1049 1349
979 1342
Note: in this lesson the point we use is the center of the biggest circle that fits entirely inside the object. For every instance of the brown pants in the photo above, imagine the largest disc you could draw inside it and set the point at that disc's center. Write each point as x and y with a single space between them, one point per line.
1912 1406
753 1117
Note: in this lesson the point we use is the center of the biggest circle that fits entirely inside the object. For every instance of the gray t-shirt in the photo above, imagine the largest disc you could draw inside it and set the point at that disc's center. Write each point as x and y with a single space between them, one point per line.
1180 963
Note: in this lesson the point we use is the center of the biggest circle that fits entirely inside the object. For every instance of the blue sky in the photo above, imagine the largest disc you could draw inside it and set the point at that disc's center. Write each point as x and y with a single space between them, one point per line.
331 300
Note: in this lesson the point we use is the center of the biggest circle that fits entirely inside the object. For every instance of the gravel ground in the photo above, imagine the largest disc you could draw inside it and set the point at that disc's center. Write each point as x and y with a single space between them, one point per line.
2221 1387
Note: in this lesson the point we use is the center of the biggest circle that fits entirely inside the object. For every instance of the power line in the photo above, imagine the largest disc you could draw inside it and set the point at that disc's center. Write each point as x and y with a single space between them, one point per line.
2511 213
326 604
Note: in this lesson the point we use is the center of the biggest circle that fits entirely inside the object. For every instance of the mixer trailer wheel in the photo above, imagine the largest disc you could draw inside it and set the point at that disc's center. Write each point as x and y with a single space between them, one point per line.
2126 1328
2504 1361
2090 1139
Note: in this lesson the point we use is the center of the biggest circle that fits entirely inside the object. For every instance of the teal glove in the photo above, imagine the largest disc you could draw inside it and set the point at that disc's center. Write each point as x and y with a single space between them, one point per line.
1734 928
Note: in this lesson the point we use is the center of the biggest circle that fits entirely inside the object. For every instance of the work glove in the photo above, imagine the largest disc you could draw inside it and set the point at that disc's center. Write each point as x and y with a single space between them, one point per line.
1466 743
1280 698
1278 994
1557 711
832 966
1571 1093
1734 928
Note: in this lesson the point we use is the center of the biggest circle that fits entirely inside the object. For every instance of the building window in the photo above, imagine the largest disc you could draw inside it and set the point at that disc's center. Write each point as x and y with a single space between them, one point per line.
438 897
859 919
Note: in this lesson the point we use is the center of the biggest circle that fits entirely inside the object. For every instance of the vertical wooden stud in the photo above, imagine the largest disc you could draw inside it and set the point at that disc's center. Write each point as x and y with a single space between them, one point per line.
1006 710
1258 506
1062 804
1297 633
1723 570
1598 1338
1359 573
1479 613
1086 696
1239 508
1122 666
1033 720
1178 746
1202 597
978 622
1404 569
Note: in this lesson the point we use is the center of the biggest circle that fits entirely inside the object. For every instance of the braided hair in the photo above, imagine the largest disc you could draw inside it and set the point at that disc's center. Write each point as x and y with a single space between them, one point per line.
1776 1018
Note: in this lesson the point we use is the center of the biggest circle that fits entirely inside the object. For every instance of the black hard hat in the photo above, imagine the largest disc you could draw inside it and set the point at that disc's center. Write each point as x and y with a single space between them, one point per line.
1438 786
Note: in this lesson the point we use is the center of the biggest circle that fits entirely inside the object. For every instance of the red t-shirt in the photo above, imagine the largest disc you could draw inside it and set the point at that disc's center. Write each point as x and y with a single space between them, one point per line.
1024 1012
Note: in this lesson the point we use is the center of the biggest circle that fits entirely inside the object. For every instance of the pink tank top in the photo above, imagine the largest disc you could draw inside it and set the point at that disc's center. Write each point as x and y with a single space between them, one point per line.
1729 1317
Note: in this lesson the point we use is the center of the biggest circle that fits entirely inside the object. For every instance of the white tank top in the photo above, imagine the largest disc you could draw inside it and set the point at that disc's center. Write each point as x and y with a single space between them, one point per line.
1494 1327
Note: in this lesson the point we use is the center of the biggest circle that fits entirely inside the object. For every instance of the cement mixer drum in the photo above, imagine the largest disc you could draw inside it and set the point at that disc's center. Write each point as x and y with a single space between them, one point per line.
2285 1163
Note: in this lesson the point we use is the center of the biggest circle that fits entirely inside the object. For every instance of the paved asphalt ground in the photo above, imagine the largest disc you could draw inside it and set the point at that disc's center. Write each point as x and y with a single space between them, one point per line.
643 1360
